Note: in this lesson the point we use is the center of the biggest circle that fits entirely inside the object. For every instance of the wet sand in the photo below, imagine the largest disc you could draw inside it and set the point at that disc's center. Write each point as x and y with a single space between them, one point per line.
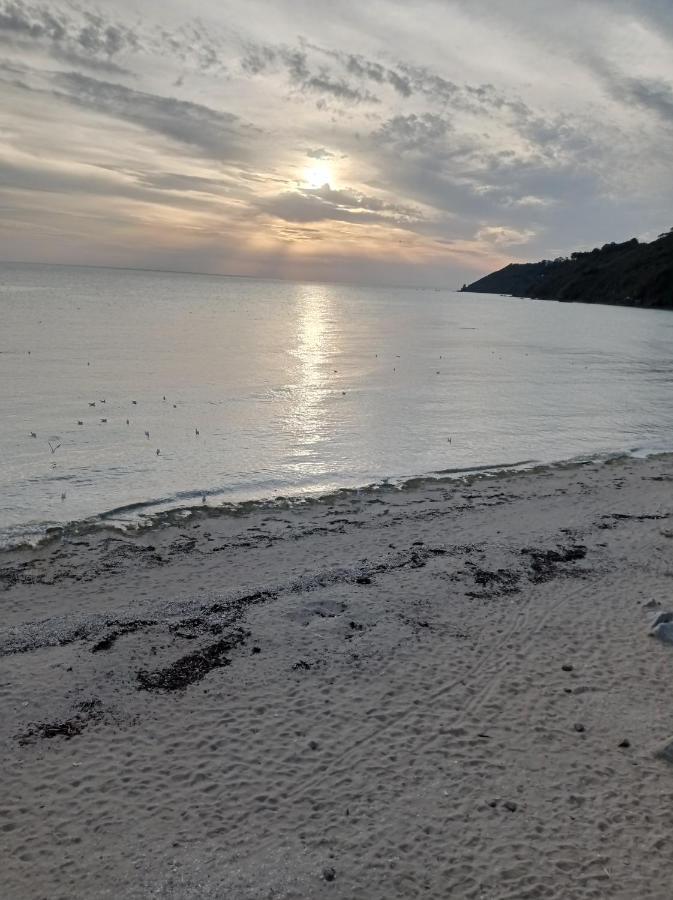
446 691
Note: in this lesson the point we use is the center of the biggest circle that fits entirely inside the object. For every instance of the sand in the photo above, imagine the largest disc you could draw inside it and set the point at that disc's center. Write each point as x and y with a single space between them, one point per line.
446 691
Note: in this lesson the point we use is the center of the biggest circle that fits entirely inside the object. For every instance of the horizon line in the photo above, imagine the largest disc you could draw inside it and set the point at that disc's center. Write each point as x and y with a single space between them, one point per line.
21 262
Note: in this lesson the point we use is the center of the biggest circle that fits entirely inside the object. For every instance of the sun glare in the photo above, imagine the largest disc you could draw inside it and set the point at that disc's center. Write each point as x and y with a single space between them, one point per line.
317 175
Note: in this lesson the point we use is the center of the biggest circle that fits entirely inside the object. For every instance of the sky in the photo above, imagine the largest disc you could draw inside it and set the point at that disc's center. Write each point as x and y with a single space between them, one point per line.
420 142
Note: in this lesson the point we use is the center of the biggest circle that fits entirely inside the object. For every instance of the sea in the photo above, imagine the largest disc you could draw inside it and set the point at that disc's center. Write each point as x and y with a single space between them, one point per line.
129 395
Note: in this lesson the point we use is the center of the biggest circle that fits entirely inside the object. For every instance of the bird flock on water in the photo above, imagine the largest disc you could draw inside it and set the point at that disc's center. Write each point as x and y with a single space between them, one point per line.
54 442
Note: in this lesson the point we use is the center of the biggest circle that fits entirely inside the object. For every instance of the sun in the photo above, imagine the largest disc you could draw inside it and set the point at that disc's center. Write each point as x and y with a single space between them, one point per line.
317 175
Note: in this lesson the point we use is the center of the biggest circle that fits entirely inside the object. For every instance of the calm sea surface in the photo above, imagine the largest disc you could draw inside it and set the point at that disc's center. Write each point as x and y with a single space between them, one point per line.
298 388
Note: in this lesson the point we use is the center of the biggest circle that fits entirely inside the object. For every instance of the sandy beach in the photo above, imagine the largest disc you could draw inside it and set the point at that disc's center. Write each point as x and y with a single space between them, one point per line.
445 691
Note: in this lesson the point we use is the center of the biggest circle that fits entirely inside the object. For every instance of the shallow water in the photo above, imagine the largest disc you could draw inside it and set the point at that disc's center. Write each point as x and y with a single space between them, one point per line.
298 388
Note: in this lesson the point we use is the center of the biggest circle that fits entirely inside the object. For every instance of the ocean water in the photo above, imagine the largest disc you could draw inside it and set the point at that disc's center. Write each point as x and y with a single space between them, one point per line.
298 389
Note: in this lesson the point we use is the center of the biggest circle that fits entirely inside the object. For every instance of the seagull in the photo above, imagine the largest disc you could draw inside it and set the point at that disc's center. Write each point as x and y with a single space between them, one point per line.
164 396
93 404
80 422
103 420
203 499
63 496
196 431
127 421
32 434
147 435
449 440
134 402
158 452
102 401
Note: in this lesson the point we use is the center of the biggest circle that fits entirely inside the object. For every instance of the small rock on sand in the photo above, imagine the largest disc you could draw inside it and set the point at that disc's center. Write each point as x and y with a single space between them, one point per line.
578 727
567 667
651 604
662 627
510 805
329 873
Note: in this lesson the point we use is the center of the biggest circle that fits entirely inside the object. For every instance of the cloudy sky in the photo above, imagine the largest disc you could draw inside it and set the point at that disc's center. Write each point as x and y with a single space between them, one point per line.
397 141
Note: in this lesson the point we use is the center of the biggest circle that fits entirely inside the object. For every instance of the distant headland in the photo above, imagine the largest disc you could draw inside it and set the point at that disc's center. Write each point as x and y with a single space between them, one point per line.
628 274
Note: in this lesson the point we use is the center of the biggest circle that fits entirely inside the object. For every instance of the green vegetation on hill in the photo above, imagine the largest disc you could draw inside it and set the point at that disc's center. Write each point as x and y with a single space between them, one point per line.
628 274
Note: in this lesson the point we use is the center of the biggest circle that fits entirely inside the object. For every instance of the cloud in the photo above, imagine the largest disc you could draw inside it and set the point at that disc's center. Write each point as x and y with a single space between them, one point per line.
294 62
319 153
325 203
501 235
217 134
90 38
649 93
413 132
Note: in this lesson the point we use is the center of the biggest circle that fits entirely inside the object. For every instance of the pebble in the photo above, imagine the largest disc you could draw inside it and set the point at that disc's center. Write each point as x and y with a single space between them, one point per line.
578 726
625 743
313 745
329 874
567 667
510 805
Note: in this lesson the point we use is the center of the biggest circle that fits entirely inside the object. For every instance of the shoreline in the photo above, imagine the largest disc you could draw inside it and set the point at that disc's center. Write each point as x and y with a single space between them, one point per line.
173 513
446 690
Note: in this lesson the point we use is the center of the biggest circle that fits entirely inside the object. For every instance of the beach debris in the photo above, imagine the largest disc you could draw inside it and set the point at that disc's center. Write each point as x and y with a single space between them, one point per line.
194 667
329 873
662 627
651 604
80 422
54 444
544 563
103 421
302 664
127 422
89 711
